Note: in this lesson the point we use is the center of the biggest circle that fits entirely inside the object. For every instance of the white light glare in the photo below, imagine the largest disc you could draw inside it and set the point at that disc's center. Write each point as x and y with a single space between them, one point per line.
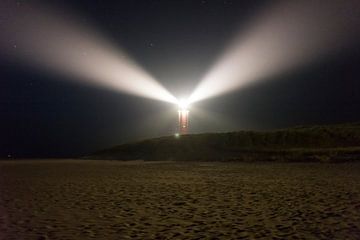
183 104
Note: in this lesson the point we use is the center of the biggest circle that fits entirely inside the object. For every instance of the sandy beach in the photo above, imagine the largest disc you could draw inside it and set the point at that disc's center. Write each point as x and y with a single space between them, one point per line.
74 199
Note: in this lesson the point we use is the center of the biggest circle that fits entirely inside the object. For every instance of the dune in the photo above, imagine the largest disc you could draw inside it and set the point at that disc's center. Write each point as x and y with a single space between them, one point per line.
327 143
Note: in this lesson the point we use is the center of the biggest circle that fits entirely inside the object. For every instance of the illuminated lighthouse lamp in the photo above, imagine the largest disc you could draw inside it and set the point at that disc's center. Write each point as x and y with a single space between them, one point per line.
183 116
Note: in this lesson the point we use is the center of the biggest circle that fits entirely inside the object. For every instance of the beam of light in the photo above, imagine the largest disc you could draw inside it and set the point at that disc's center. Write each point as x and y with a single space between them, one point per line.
55 41
287 35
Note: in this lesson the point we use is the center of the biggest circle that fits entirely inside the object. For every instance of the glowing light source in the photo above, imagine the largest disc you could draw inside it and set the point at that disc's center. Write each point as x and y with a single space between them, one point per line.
183 104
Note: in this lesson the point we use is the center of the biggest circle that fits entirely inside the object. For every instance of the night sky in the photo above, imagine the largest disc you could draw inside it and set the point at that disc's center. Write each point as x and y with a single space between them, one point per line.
177 42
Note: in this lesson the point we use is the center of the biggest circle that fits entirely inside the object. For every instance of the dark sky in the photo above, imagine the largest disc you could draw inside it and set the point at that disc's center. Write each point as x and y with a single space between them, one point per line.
176 42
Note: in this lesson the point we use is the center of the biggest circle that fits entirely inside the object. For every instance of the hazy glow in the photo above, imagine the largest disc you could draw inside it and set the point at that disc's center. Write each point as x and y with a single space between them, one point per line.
205 120
287 35
183 104
55 41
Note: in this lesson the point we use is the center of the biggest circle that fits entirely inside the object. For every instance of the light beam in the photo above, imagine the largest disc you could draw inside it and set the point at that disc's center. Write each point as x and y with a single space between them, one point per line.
57 41
289 34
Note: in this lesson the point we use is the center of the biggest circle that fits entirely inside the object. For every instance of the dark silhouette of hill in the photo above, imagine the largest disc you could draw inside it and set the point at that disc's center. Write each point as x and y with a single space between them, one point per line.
326 143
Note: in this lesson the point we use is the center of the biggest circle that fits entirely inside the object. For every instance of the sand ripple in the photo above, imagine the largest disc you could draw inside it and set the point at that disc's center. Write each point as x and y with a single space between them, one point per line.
115 200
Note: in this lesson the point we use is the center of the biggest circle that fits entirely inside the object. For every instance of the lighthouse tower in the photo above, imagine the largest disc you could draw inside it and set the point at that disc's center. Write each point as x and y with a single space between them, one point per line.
183 121
183 117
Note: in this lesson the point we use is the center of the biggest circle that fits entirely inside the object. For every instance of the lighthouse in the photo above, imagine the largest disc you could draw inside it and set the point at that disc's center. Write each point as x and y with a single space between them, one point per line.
183 122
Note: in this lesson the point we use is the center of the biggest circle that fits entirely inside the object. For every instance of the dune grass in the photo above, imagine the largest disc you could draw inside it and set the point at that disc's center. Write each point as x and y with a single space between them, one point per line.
328 143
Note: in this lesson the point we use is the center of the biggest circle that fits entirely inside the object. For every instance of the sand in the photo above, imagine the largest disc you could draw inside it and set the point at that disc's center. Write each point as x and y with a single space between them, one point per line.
137 200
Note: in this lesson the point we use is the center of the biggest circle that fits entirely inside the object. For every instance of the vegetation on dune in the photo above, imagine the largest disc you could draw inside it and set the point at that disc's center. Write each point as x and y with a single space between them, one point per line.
308 143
